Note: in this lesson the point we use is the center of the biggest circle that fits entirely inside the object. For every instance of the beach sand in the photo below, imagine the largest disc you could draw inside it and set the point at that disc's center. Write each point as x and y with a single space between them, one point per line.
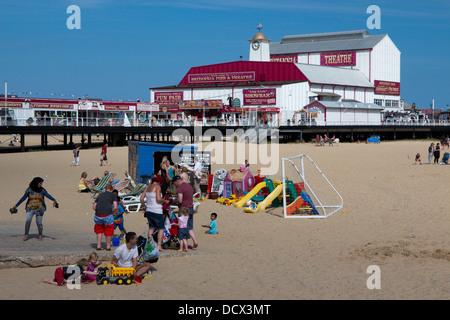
395 216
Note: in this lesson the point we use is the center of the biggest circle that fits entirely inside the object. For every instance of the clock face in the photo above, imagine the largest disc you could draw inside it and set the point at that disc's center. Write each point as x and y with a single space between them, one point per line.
255 45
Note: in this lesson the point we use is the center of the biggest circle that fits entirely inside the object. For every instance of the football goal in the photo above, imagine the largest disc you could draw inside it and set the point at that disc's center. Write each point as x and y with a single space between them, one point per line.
307 193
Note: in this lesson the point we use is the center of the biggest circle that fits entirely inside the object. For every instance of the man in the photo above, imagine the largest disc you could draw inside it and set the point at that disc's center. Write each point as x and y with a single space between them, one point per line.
104 151
197 175
126 256
105 205
186 199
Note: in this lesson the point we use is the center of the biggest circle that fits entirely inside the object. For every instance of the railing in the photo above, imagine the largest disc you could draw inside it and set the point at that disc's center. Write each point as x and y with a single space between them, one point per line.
120 122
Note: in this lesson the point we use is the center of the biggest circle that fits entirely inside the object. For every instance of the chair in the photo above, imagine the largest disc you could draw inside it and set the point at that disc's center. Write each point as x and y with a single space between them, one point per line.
132 203
101 185
122 185
135 192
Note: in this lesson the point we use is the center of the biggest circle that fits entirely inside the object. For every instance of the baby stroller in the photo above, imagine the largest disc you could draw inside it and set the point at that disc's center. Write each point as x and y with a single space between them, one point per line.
170 235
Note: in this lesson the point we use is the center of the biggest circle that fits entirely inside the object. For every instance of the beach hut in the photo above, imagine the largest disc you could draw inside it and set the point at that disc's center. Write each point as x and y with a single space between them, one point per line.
237 182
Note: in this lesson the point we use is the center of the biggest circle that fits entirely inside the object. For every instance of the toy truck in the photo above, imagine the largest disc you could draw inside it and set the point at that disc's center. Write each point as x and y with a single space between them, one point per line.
113 274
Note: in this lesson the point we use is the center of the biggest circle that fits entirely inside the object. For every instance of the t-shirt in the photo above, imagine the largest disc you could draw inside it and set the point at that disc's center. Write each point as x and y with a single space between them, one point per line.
213 227
124 256
188 193
183 221
119 214
104 202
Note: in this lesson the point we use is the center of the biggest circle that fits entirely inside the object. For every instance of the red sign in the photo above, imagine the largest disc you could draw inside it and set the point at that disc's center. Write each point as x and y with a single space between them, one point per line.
222 77
200 104
258 97
51 106
387 87
284 59
338 59
168 99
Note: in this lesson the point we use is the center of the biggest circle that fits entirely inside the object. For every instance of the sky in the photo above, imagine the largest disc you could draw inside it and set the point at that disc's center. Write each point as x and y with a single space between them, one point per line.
123 48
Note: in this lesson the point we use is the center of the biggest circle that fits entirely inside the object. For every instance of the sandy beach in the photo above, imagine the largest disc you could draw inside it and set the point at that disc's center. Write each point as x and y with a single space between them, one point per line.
395 216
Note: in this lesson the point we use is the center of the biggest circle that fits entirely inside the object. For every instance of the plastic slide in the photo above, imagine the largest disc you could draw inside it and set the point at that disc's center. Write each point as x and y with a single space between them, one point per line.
272 196
249 195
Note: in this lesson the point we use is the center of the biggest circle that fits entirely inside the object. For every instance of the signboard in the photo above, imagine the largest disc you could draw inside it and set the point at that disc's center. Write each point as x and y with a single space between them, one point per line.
11 104
116 108
90 105
338 59
51 106
200 104
259 97
387 87
204 157
284 59
147 107
222 77
168 99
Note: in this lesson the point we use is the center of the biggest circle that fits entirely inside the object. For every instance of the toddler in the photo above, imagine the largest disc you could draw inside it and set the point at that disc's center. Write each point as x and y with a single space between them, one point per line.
93 263
212 225
62 274
183 231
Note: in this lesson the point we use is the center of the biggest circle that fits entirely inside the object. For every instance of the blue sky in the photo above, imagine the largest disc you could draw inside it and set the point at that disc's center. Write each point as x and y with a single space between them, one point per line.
125 47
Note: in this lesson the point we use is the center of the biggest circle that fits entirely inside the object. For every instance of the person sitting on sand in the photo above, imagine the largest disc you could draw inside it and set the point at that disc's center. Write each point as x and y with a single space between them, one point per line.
62 274
418 158
212 225
125 256
84 185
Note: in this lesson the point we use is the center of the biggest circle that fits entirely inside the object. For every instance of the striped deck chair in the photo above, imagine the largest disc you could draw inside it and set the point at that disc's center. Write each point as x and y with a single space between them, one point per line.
122 185
101 185
140 187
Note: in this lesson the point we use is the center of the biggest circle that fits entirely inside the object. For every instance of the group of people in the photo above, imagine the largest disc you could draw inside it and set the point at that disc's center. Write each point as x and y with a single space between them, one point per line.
320 141
103 155
434 155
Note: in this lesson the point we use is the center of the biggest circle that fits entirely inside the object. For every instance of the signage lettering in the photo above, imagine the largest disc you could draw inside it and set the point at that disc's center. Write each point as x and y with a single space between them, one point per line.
338 59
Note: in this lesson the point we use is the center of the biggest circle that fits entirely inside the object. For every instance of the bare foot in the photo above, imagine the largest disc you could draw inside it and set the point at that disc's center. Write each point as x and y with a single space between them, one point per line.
180 250
25 238
40 238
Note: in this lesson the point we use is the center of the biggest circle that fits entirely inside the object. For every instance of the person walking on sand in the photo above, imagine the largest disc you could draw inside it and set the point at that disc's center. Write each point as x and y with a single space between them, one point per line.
76 155
35 205
104 152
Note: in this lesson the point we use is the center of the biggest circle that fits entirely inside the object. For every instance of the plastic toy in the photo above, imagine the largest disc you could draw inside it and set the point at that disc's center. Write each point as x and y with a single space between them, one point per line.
113 274
252 207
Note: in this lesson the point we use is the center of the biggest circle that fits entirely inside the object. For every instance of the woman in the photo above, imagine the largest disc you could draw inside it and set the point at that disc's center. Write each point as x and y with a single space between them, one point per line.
430 152
35 205
167 172
437 153
153 208
84 184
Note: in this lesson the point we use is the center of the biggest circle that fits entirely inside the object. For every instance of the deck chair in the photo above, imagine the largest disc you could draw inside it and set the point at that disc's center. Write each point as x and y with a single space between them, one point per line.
135 192
122 185
101 185
132 203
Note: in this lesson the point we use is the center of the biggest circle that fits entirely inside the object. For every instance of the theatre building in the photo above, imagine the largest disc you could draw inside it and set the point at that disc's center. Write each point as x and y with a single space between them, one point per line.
282 81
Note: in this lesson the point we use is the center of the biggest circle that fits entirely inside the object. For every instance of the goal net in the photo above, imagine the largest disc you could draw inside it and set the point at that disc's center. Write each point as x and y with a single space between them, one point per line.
307 193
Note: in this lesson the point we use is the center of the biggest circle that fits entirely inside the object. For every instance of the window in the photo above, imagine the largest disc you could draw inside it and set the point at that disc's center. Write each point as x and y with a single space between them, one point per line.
378 102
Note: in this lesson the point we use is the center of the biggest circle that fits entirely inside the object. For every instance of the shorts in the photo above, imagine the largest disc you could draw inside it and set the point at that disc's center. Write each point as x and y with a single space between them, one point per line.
59 277
120 225
155 220
190 223
183 233
105 157
104 225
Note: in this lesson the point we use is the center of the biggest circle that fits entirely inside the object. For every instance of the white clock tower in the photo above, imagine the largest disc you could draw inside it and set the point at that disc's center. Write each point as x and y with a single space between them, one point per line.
259 47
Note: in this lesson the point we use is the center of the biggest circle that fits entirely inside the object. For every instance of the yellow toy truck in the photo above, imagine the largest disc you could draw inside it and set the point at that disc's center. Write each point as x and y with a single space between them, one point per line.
113 274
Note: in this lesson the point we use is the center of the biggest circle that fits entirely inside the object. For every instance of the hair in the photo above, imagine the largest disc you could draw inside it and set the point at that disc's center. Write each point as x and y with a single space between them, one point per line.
214 214
115 191
184 169
184 211
93 255
109 187
158 179
34 184
84 174
106 172
83 262
130 235
164 160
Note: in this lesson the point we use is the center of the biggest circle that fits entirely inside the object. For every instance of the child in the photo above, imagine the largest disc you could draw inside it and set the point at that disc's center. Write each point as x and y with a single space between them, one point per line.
183 231
118 216
93 263
418 159
101 159
62 274
212 225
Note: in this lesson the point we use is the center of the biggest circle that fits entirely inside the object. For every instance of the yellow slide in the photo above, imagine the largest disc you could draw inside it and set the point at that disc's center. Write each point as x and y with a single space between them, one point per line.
268 200
251 194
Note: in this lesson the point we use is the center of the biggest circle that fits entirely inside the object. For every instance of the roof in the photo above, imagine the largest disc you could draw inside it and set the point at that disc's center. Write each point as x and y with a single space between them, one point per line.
257 71
326 42
343 105
334 75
